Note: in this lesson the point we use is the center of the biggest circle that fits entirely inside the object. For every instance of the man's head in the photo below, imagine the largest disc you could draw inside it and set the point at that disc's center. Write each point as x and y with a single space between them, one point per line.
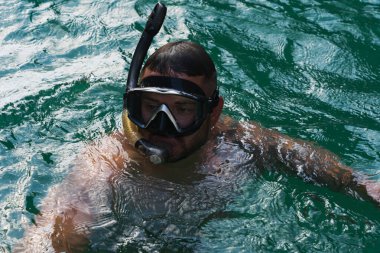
185 98
184 58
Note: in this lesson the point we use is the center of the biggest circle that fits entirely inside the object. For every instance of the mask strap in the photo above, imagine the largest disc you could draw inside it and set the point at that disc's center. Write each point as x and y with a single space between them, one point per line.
172 83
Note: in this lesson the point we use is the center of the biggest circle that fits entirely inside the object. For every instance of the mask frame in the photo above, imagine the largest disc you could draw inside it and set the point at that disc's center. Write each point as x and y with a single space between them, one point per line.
162 121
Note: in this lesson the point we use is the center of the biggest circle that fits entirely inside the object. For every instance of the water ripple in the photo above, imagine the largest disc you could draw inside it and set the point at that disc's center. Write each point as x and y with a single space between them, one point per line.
308 68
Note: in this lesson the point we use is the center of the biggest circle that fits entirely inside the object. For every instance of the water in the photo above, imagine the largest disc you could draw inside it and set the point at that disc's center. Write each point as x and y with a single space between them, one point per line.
309 69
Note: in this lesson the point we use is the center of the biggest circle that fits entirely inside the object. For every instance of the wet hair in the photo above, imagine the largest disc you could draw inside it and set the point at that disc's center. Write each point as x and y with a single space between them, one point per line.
182 57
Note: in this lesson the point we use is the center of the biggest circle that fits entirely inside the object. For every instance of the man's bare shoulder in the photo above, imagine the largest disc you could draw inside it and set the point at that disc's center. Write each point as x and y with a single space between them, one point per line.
239 130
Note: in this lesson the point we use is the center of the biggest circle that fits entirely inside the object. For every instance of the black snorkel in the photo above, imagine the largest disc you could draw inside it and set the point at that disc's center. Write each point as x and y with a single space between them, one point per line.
156 154
153 25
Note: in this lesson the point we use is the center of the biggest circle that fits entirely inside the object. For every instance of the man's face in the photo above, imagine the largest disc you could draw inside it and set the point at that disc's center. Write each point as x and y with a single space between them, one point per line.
184 109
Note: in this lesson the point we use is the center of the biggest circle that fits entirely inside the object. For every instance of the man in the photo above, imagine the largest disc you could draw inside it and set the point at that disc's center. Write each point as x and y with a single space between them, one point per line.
189 61
175 109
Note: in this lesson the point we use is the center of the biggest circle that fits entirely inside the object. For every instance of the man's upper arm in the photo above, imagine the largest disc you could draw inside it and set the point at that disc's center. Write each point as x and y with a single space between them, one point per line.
311 162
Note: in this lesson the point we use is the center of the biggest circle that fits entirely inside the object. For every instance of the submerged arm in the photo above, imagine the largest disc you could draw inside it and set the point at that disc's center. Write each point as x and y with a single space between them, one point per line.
58 228
312 163
67 214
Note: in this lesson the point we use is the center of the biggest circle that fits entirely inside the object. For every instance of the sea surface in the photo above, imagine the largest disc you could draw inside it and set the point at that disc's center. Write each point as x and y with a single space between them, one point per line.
308 69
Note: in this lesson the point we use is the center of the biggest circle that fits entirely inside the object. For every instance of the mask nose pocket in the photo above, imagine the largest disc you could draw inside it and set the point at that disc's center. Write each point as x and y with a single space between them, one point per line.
162 124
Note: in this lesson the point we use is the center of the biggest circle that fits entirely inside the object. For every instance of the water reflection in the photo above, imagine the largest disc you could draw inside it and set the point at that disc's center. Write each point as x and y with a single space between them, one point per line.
309 69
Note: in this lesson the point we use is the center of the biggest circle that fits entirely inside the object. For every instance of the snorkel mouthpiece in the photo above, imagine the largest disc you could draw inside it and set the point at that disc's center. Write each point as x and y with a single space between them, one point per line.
157 155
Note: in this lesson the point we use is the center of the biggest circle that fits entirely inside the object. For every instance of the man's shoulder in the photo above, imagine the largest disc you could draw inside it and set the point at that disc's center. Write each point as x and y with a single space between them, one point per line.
229 125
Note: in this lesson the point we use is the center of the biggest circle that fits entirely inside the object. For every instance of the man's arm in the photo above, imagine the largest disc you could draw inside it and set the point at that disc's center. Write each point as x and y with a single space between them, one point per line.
66 214
58 227
310 162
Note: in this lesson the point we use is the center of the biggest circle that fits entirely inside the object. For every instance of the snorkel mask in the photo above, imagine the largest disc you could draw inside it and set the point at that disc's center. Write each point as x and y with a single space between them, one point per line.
162 105
183 111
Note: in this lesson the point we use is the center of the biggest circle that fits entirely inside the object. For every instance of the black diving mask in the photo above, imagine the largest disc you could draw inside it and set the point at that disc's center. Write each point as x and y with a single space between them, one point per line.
169 106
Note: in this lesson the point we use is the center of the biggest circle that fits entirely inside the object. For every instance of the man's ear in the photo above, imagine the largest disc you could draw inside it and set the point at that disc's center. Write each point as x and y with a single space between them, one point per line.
216 111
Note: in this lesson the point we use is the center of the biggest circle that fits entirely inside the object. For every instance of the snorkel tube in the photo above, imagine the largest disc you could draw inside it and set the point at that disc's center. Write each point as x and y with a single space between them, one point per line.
153 25
156 154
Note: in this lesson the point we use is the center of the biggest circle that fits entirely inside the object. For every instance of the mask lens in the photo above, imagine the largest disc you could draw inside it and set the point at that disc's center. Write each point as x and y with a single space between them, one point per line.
166 112
185 111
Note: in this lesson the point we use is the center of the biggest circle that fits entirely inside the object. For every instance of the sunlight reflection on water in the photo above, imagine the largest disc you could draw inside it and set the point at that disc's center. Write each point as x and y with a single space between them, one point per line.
307 69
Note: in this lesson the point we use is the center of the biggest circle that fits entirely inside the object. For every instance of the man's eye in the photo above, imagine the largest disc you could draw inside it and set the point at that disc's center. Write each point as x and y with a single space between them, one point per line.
185 109
150 106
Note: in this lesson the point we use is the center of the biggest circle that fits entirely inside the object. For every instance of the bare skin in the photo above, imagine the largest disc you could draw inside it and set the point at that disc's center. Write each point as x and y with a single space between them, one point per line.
67 221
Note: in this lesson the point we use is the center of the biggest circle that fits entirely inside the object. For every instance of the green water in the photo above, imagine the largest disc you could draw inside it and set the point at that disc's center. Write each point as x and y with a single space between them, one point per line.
309 69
